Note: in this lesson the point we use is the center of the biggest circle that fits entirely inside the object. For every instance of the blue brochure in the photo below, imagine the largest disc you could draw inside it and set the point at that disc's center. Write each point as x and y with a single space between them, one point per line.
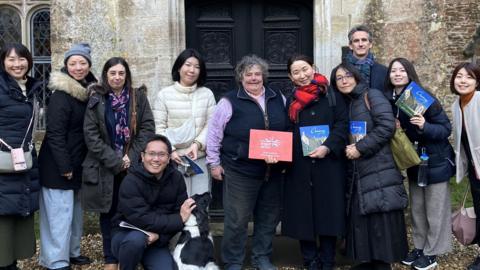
358 130
414 100
312 137
189 167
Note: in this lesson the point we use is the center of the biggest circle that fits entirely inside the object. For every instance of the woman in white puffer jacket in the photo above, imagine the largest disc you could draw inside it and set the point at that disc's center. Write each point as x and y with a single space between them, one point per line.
182 112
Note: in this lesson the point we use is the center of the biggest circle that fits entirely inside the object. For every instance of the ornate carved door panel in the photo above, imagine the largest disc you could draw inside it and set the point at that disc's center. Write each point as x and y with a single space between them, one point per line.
224 31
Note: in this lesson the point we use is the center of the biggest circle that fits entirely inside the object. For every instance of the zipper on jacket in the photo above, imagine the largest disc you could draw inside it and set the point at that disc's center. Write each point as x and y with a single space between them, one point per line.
267 127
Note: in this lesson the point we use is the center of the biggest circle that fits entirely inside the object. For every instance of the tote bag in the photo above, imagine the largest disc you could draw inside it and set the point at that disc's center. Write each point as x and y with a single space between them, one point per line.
403 152
464 223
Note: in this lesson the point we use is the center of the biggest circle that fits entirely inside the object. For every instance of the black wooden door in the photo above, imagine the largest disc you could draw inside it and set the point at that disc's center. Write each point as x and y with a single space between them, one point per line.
224 31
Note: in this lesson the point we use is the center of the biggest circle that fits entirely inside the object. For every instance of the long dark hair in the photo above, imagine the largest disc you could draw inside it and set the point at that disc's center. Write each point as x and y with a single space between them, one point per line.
21 51
472 70
182 57
412 76
113 62
409 68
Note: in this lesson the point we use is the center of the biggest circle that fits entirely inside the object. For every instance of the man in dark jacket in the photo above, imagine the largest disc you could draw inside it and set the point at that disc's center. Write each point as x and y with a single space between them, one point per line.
153 200
360 41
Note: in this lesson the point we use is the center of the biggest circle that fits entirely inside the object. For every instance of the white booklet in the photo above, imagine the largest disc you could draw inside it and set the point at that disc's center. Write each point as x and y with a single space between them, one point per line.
130 226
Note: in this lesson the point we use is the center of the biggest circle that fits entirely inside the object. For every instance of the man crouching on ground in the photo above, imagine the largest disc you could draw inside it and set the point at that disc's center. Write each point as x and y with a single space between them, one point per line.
153 199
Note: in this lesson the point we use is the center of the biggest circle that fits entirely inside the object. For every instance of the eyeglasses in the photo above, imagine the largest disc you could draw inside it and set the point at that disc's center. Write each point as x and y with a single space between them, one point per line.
156 154
347 76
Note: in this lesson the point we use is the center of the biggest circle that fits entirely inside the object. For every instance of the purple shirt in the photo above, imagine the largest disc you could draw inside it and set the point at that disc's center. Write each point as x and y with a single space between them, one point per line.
221 116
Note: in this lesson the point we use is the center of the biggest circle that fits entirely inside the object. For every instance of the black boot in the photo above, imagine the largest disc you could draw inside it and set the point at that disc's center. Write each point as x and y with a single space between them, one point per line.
362 266
312 265
12 266
379 265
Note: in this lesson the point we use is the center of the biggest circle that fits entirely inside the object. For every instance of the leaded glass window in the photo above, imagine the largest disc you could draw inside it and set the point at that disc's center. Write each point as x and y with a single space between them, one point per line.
41 33
41 51
10 26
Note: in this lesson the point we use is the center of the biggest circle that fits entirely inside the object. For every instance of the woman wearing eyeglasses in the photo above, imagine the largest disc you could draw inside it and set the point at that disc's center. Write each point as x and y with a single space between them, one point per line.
376 234
118 122
314 204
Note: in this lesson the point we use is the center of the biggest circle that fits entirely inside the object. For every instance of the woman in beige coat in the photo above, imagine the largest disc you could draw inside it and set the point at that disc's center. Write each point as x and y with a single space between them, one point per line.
182 112
465 83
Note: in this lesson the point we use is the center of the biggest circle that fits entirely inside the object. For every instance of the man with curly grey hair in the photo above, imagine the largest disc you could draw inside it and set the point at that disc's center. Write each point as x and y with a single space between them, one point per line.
250 187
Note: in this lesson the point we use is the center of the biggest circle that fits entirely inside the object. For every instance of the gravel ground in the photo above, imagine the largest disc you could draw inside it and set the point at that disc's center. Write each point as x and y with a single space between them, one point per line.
92 247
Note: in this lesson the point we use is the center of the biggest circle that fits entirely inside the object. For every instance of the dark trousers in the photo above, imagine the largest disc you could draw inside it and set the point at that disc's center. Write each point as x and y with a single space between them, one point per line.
130 246
12 266
373 265
244 197
323 254
106 222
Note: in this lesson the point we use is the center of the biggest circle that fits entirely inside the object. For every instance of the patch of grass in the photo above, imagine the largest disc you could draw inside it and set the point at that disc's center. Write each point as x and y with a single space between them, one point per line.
458 192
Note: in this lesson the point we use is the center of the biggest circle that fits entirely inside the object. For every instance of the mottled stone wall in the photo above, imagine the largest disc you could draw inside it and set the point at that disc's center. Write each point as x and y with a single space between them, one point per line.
147 33
332 21
431 33
462 20
150 33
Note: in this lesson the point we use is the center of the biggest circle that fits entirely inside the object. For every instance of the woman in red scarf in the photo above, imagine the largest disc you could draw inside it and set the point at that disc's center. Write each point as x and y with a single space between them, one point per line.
314 204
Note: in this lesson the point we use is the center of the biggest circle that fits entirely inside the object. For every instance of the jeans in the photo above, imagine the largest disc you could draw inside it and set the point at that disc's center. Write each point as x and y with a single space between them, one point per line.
324 254
61 224
243 197
106 223
130 246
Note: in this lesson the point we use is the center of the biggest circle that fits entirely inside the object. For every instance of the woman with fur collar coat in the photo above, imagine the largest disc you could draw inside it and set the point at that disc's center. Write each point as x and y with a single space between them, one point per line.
61 155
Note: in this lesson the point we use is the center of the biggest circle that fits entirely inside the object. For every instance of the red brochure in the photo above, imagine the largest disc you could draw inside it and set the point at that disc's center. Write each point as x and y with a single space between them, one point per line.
270 143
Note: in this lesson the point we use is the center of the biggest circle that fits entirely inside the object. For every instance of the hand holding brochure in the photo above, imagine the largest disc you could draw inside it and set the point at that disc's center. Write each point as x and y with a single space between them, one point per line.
414 100
265 143
124 224
312 137
189 167
358 130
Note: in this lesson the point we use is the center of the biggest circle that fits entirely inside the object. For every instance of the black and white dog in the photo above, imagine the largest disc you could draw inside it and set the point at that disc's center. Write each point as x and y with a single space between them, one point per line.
194 249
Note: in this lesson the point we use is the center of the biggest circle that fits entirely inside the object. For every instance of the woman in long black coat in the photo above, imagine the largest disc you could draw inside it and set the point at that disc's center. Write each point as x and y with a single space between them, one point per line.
314 199
61 155
376 234
18 191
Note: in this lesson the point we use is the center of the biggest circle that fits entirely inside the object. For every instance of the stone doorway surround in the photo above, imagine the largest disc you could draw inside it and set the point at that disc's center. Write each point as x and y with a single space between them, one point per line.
150 34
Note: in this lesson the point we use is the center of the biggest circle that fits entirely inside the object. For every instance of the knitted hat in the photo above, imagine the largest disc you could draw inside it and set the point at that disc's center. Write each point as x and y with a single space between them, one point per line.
82 49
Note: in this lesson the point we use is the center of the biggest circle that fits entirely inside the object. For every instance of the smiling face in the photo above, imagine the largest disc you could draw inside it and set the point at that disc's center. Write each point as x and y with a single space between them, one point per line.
301 73
465 83
116 76
252 80
398 75
360 44
345 81
189 72
15 65
155 157
78 67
